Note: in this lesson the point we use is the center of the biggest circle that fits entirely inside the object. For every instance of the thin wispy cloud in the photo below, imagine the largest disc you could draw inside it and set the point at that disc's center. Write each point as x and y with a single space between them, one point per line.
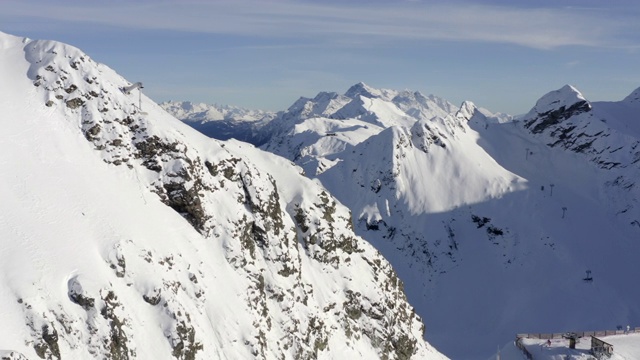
541 28
572 64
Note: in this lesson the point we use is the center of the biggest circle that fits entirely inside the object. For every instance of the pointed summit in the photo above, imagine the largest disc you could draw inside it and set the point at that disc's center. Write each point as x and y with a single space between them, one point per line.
555 107
467 111
362 89
566 97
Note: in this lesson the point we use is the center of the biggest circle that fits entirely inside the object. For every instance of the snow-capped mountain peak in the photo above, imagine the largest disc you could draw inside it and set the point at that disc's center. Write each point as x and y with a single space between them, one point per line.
555 107
467 111
566 97
362 89
127 234
325 104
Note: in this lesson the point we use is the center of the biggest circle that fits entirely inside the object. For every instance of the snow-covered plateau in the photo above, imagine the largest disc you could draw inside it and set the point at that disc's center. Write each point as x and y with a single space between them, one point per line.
124 234
497 225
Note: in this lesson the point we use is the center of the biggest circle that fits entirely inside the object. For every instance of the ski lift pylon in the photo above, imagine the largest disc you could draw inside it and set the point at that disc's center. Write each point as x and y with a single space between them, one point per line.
137 85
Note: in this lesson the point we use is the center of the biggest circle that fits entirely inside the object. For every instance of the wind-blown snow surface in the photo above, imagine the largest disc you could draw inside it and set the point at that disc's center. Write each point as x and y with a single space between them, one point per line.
130 235
493 222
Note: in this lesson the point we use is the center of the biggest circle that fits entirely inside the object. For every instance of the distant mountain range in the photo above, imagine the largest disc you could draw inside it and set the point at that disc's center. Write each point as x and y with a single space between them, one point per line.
492 221
222 122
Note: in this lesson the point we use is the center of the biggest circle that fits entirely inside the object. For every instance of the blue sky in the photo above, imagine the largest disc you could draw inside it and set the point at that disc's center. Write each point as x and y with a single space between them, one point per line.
264 54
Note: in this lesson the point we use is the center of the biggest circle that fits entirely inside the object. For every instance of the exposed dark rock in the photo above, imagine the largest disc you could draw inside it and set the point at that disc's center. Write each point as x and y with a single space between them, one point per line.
120 266
287 271
494 231
187 202
86 303
48 348
301 220
116 345
193 278
246 237
154 298
404 347
71 89
186 347
154 146
74 103
554 117
92 133
480 222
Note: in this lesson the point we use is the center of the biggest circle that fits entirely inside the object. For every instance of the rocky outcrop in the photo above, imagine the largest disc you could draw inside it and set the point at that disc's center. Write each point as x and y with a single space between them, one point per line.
565 118
554 108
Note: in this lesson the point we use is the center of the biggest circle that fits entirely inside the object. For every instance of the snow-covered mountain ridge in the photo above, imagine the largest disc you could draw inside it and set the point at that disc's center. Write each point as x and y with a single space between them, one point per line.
126 234
474 209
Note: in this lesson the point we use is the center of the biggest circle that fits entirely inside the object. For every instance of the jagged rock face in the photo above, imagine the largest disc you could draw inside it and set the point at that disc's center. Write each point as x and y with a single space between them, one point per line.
566 119
554 117
268 266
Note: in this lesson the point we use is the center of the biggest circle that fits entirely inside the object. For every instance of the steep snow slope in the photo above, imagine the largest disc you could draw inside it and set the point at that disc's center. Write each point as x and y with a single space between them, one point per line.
129 235
219 122
481 217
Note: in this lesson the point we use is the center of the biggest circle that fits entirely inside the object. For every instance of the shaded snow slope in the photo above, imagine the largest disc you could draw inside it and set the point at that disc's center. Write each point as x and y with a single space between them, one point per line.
126 234
493 222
